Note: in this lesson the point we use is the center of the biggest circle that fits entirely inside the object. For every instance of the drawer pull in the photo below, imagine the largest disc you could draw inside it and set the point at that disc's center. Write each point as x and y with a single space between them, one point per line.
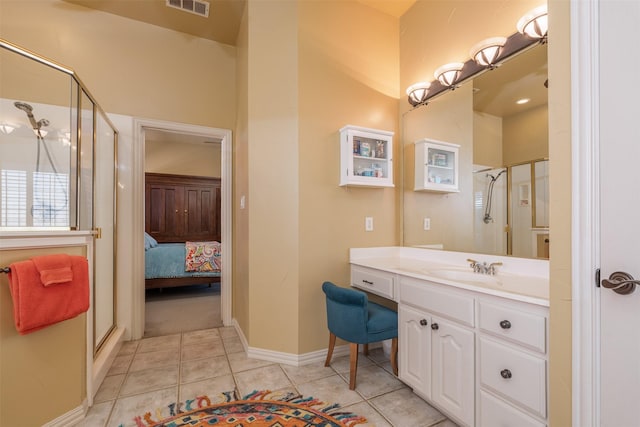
434 326
505 324
423 322
506 374
367 282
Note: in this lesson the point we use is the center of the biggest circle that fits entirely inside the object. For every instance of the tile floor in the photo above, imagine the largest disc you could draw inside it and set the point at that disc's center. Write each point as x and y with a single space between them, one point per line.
154 372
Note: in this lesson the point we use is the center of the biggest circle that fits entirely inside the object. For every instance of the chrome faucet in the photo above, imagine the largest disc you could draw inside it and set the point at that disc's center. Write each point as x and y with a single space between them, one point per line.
492 268
483 268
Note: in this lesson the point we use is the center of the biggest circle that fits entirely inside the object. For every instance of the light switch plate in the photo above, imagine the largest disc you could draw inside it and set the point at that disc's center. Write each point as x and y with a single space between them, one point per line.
368 223
427 224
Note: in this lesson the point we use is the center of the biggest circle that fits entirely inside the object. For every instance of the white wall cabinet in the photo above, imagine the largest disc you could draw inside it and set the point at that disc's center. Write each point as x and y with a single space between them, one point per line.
479 358
436 166
366 157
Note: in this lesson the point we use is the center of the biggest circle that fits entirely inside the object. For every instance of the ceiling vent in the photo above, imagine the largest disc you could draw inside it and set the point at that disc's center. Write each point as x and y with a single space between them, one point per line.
197 7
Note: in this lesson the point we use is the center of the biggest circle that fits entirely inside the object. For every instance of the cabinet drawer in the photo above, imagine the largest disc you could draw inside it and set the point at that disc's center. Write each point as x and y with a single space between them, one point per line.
497 413
446 303
514 374
374 281
514 324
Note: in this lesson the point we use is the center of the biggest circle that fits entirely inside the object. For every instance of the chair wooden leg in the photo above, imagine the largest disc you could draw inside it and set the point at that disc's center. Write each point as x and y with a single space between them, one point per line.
353 365
394 355
332 343
365 349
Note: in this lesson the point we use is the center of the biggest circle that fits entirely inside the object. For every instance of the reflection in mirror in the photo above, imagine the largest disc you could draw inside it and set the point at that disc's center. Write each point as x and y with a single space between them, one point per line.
502 207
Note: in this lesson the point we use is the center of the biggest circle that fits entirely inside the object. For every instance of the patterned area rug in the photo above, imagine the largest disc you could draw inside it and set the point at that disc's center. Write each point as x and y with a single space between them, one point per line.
257 409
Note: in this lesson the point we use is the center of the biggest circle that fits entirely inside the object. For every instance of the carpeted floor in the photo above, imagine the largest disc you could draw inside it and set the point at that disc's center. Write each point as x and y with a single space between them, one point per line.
187 308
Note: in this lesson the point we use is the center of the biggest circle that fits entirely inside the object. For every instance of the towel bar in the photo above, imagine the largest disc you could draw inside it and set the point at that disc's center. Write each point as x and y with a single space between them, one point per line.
5 270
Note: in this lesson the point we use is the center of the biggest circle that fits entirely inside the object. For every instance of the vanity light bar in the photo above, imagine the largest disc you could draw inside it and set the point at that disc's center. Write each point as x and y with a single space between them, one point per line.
514 44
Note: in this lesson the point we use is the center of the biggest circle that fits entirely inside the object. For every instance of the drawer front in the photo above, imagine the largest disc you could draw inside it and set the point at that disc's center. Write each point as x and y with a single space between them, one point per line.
445 303
513 324
518 376
374 281
497 413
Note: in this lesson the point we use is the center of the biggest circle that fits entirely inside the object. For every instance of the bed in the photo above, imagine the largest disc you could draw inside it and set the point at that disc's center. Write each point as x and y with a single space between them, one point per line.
180 264
181 210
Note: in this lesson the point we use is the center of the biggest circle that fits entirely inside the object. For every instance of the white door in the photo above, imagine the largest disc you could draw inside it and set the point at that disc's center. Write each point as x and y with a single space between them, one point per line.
619 143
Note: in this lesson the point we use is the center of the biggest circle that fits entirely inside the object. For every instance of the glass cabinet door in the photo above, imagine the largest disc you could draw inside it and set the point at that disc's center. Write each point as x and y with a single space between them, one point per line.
366 157
436 164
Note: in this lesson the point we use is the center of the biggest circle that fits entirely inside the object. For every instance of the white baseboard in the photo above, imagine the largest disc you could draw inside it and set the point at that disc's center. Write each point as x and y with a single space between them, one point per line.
317 356
71 418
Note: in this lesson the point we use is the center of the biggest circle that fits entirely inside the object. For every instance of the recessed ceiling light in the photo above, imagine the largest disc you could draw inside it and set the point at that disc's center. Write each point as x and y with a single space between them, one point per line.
522 101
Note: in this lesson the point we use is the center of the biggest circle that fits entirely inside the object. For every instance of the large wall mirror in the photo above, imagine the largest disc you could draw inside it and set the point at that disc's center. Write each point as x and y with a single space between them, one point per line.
502 204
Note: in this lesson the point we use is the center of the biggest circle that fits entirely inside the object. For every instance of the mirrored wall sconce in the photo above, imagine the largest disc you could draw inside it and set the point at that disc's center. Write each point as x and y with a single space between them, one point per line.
535 24
6 128
418 92
448 74
487 52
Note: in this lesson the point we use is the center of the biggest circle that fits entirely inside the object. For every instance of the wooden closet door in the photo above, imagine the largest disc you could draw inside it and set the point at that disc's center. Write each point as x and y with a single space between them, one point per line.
201 217
165 212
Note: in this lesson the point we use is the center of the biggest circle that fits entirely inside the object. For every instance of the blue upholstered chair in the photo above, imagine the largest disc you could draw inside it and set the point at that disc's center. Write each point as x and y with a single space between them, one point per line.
353 318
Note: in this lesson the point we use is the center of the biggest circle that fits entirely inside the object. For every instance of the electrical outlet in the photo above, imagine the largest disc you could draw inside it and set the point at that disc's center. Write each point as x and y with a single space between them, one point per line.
427 224
368 223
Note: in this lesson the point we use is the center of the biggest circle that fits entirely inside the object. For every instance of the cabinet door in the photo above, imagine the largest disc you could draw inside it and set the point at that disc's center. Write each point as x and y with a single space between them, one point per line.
415 349
164 211
200 213
453 369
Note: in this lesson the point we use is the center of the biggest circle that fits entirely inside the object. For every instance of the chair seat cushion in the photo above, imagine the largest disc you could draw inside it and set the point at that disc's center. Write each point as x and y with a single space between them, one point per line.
382 323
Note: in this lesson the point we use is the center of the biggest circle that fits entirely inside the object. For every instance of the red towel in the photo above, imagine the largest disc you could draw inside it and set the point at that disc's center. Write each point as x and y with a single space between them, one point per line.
36 306
54 269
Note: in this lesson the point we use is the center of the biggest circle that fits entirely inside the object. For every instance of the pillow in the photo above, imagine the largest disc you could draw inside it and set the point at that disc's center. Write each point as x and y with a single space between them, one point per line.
149 242
202 256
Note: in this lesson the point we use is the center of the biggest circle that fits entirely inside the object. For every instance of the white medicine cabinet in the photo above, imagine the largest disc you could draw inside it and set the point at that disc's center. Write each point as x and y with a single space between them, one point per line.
436 166
366 157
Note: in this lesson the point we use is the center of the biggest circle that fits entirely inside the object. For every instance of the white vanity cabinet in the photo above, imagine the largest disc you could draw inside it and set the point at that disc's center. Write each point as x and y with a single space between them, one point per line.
478 356
436 166
366 157
512 363
436 346
375 281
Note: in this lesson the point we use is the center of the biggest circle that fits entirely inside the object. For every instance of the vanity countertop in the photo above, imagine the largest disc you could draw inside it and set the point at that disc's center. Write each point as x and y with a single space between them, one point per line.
519 279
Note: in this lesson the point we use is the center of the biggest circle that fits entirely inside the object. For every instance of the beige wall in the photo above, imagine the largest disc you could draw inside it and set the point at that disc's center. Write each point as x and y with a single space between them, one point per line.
130 67
560 195
240 294
182 158
273 192
487 140
297 87
526 136
42 374
340 83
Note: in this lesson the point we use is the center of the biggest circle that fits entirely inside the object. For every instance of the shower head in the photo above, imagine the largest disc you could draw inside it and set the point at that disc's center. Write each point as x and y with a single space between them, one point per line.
28 109
24 107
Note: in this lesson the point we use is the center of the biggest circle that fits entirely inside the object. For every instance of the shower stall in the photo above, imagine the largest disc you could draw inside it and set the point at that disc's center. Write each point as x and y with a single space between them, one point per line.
58 167
511 209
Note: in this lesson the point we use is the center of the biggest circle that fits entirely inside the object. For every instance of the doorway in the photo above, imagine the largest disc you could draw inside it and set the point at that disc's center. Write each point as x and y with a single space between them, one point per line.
143 128
182 204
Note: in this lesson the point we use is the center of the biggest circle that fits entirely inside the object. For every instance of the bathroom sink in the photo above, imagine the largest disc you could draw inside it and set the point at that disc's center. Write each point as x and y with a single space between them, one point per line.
464 276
